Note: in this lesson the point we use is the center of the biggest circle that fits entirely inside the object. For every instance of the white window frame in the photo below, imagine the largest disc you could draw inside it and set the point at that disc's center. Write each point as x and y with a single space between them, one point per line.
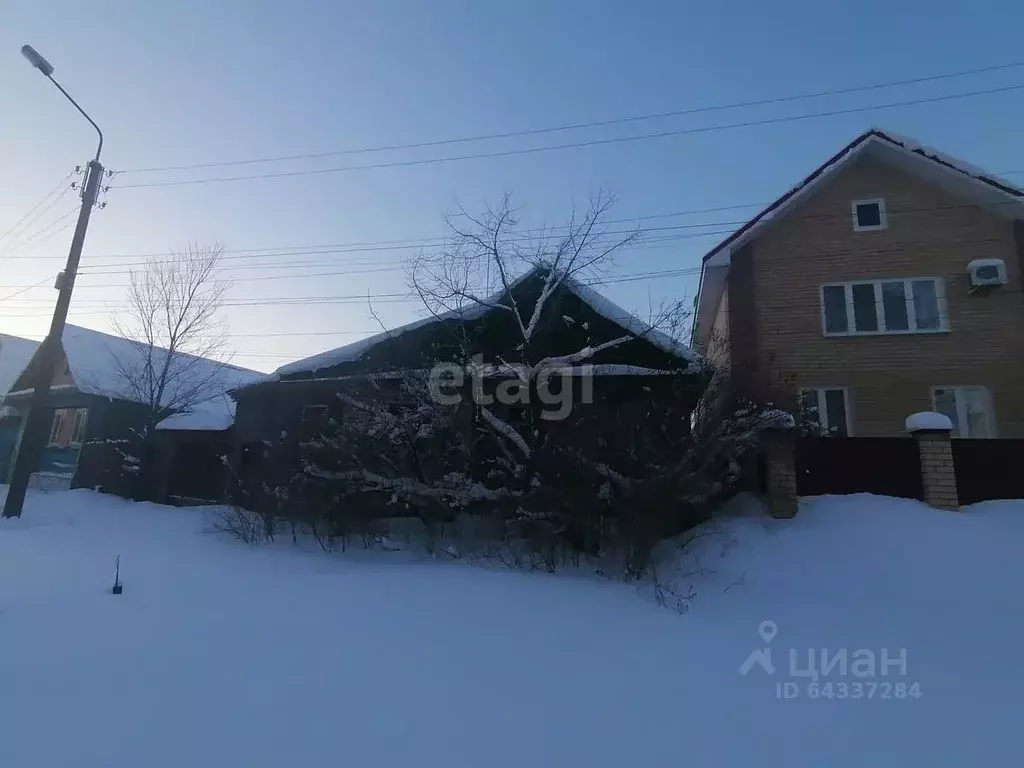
80 422
56 426
961 409
819 394
908 293
883 217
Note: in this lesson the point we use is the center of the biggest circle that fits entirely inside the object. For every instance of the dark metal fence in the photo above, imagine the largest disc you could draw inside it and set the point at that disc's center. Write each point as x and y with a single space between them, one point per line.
889 466
198 473
988 469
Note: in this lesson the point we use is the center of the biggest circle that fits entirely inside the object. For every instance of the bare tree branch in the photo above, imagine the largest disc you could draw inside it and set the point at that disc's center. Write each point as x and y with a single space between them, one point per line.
172 322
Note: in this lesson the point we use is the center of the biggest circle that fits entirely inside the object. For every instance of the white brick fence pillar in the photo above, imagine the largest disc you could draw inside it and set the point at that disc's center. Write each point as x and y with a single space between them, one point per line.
938 473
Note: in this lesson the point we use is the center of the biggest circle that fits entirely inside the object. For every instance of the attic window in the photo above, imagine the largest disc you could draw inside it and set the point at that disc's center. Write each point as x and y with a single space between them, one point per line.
869 215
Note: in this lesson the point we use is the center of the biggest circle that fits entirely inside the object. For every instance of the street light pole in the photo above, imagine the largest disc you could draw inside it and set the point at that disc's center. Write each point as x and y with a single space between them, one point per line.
31 443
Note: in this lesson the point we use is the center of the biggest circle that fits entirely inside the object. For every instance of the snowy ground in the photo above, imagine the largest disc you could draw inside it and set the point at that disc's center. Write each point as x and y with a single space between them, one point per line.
218 654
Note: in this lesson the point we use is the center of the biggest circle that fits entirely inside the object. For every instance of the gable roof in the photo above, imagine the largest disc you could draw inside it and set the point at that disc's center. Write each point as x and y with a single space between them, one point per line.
15 352
957 176
96 361
989 189
600 304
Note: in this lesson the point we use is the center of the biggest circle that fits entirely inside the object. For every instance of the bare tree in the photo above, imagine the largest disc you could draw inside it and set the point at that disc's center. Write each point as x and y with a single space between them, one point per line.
479 270
603 481
172 321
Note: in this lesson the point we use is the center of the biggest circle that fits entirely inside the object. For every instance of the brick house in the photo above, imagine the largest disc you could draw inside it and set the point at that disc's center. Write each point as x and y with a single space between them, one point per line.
887 282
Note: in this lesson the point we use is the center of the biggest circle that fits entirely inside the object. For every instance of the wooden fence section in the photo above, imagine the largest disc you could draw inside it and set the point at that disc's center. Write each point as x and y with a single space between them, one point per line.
988 469
889 466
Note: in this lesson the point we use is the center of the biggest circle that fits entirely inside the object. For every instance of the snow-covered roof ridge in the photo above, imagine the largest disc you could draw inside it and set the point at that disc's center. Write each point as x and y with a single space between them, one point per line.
213 415
599 303
95 361
969 169
15 353
962 178
609 310
841 158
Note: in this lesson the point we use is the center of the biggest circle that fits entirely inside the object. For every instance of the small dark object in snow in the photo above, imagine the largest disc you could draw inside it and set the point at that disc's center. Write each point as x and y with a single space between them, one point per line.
117 576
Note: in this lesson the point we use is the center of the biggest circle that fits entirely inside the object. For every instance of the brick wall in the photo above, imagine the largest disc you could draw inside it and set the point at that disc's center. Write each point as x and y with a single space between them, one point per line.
743 323
887 376
938 474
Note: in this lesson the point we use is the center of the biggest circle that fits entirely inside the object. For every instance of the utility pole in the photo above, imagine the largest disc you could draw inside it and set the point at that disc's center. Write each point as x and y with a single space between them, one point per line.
45 360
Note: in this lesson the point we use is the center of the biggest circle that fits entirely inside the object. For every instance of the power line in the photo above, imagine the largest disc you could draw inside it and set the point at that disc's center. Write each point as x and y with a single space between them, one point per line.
36 235
650 244
408 298
26 288
405 298
34 207
639 243
578 126
17 246
643 241
575 145
282 249
654 242
431 242
51 234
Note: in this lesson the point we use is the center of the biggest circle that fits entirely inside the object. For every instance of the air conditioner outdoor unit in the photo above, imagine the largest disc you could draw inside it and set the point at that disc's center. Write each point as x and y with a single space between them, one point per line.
986 273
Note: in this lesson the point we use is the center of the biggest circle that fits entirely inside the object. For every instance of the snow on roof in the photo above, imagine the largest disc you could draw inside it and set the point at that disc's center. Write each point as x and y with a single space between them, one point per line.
15 352
609 310
839 160
213 415
600 304
912 145
908 150
96 361
347 353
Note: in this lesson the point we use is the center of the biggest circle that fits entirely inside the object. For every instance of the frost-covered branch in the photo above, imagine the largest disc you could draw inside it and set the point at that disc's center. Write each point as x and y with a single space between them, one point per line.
506 430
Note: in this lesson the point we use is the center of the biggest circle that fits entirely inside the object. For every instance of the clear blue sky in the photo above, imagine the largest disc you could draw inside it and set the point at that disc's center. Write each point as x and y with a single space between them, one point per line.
191 82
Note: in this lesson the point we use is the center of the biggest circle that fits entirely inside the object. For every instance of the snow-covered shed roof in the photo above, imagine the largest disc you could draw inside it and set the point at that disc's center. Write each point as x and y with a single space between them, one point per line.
97 362
213 415
15 352
959 178
600 304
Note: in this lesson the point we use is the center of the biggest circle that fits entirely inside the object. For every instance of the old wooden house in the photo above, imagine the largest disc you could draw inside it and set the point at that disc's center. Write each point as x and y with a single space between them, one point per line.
646 364
98 410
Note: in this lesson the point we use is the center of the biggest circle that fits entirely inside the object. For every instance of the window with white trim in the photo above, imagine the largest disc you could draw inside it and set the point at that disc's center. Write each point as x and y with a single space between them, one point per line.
78 430
57 426
829 407
869 215
969 408
899 305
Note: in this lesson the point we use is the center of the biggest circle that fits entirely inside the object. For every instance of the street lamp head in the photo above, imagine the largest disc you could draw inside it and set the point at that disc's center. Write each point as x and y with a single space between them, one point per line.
36 60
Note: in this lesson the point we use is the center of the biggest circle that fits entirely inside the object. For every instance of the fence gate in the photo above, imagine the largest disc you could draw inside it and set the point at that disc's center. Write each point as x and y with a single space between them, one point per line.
988 469
888 466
